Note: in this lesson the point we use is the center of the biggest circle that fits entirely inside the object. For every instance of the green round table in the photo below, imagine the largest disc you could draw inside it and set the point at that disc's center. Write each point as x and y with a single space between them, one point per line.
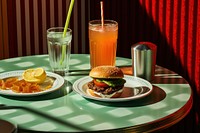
66 111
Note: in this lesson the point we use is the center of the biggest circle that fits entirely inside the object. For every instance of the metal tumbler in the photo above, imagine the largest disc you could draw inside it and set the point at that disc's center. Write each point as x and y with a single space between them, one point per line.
144 60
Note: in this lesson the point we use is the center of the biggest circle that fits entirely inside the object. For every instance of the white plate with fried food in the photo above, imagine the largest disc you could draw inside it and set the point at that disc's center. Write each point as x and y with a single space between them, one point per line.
12 84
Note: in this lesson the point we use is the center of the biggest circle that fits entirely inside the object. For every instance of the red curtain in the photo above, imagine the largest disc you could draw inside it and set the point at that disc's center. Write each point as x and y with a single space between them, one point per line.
178 22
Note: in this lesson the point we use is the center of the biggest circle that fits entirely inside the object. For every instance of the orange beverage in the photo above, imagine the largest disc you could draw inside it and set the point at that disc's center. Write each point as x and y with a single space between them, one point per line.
103 42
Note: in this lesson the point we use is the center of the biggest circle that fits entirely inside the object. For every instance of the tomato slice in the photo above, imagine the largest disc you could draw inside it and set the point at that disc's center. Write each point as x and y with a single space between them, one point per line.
100 84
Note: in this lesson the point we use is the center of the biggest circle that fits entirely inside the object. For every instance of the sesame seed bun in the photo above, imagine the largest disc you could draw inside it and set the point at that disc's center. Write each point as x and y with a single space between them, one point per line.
106 72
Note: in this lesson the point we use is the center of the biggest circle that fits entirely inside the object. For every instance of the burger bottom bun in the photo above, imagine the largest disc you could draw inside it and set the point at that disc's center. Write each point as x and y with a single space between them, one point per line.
114 95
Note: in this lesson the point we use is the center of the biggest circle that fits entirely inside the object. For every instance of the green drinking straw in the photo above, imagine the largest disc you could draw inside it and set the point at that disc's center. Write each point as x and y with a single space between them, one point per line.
65 29
68 17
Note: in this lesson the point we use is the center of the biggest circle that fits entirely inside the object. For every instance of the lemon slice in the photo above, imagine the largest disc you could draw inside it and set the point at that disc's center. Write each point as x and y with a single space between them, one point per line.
39 72
37 75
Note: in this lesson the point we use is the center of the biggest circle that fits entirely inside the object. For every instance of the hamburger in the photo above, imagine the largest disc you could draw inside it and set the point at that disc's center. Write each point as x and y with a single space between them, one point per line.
107 82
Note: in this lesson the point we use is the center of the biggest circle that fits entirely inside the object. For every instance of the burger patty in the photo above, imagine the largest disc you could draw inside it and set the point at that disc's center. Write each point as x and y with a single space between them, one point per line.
106 91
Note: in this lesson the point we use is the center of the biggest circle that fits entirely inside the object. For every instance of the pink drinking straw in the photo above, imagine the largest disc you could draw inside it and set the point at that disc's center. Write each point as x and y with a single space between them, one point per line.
102 15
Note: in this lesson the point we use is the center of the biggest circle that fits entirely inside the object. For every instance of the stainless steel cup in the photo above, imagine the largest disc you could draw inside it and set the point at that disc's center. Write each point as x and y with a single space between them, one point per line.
144 60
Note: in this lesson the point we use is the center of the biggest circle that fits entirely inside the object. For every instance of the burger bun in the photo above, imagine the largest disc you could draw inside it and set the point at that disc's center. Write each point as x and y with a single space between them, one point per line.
114 95
106 72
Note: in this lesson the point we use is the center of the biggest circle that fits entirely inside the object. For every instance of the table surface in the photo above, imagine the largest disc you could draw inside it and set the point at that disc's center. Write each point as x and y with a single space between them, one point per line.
64 110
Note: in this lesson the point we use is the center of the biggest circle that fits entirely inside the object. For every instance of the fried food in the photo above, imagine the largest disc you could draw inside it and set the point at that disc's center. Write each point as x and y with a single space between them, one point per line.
33 80
2 84
22 86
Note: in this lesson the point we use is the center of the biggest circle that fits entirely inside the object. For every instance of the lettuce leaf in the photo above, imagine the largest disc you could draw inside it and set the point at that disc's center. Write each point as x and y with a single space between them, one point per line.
112 82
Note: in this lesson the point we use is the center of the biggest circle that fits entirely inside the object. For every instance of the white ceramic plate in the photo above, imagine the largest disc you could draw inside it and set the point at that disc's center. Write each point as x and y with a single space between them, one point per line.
58 82
134 88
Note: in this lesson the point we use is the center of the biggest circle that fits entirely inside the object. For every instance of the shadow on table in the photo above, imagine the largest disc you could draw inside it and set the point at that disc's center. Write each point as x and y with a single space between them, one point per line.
157 95
64 90
45 115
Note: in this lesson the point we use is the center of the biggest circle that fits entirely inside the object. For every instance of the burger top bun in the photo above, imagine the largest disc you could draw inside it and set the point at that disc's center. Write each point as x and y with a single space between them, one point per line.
106 72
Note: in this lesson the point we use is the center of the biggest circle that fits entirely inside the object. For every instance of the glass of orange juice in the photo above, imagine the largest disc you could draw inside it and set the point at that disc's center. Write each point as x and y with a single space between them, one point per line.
103 42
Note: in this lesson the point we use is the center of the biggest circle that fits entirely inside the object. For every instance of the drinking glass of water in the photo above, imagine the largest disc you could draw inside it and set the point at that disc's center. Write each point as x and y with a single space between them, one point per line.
59 49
